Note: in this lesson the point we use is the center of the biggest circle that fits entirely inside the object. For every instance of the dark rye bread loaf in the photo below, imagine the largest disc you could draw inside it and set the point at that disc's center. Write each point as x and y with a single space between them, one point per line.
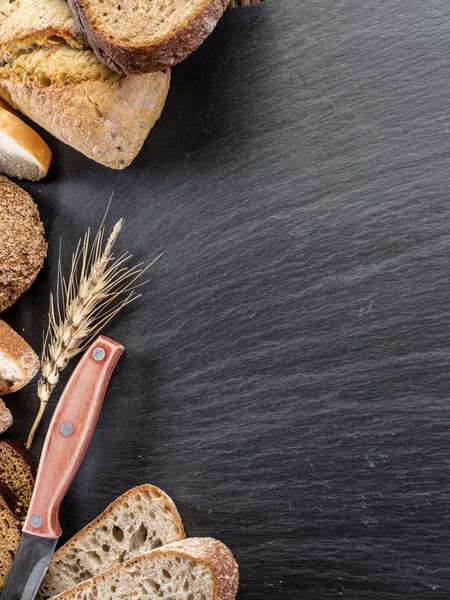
12 515
142 37
17 470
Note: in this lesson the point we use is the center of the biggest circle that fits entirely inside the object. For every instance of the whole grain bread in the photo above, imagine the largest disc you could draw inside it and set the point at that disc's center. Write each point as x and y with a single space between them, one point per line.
17 470
196 568
50 74
9 532
140 520
22 244
19 363
140 37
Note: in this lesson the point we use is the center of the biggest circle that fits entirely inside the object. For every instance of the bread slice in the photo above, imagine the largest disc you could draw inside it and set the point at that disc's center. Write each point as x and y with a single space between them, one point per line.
48 72
6 419
19 363
138 36
17 470
9 531
139 521
193 569
23 153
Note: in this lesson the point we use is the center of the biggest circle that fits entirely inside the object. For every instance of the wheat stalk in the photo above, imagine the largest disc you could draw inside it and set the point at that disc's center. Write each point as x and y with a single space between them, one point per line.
99 286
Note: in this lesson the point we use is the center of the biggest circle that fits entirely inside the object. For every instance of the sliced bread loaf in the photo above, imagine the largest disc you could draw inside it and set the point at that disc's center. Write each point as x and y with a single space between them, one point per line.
196 568
48 72
23 153
17 470
19 363
139 521
144 36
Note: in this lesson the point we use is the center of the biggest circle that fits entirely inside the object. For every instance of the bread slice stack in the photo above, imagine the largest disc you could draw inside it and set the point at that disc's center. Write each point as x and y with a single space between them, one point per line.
136 547
193 569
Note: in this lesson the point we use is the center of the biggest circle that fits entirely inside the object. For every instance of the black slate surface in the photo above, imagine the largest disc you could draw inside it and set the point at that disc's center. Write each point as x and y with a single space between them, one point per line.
286 377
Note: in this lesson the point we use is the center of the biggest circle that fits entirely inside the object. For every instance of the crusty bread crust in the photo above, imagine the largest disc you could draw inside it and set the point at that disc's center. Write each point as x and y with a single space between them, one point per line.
161 54
18 351
106 121
214 555
93 524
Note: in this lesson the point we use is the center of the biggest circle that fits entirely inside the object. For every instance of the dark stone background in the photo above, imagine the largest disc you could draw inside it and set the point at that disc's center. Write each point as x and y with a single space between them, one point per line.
286 376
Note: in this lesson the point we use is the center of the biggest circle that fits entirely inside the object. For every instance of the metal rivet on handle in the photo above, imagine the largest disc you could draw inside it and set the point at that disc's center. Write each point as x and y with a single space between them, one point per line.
36 521
98 354
66 429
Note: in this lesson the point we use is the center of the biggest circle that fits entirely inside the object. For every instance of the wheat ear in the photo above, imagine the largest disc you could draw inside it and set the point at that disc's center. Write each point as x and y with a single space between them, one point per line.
99 286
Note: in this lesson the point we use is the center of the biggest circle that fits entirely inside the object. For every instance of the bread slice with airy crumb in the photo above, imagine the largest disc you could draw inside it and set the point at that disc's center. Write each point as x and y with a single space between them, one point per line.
23 153
144 36
196 568
140 520
19 363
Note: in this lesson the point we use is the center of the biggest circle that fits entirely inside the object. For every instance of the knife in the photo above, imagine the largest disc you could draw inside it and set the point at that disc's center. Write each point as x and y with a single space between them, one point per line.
65 445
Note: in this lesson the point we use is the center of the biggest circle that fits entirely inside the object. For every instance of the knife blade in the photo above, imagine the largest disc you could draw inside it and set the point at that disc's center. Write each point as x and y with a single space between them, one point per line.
65 445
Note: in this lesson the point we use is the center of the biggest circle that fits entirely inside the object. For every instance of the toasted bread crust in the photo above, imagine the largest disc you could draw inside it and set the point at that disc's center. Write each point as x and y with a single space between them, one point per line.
163 53
18 351
214 555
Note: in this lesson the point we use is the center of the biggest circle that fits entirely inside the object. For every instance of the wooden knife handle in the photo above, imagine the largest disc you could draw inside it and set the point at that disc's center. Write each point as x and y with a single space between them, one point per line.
69 434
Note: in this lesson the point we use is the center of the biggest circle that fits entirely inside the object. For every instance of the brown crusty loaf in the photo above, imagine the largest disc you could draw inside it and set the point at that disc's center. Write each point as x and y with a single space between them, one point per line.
49 73
22 244
17 470
18 361
140 520
6 419
140 37
196 568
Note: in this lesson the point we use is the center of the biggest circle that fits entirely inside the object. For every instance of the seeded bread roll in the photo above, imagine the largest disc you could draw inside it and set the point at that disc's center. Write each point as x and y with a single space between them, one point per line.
196 568
19 363
22 244
140 520
140 37
17 470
